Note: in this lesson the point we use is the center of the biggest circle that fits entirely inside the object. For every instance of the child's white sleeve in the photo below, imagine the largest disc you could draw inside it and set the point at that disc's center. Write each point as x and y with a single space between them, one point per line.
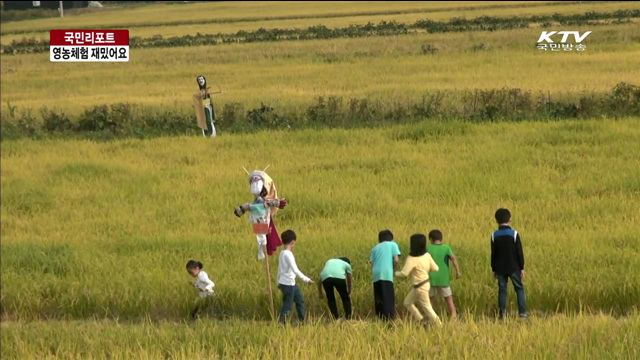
294 267
205 279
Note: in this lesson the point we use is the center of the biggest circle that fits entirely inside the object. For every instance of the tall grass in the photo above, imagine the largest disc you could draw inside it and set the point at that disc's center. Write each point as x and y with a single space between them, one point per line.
249 11
384 28
105 230
293 74
216 25
559 337
95 235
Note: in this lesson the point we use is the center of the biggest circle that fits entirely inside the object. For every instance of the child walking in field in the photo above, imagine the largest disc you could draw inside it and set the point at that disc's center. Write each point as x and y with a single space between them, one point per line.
440 282
419 264
384 257
337 274
507 262
287 272
204 285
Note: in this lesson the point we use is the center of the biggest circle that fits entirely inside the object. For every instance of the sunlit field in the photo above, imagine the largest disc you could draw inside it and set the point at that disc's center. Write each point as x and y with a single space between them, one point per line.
395 11
294 73
108 227
95 235
255 11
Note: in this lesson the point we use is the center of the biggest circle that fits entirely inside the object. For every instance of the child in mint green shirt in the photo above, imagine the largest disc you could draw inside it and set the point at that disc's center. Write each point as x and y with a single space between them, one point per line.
337 274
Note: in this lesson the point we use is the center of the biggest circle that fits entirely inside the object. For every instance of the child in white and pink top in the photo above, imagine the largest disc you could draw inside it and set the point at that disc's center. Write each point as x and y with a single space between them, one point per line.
204 285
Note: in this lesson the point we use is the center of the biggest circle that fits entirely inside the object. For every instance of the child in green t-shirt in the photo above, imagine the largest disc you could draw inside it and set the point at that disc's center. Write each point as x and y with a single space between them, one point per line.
440 282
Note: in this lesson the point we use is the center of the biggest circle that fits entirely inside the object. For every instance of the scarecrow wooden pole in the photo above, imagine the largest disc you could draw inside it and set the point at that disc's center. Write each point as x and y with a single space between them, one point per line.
269 289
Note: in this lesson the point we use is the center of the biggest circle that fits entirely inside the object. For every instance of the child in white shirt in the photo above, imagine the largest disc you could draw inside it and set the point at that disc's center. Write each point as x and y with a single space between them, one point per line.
203 284
287 272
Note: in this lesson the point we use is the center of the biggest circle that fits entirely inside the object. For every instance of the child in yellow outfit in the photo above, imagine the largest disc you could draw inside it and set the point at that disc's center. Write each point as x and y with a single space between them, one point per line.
418 265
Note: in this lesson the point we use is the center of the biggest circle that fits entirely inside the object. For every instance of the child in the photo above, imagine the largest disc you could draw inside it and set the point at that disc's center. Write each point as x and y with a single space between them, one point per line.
203 284
287 272
383 258
507 261
419 264
337 274
440 282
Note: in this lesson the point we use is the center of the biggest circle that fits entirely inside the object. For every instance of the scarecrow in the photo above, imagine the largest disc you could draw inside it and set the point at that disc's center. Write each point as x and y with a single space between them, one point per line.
265 204
203 106
261 210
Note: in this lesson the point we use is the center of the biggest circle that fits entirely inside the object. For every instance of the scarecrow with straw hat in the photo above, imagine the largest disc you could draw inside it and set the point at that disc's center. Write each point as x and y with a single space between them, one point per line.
261 210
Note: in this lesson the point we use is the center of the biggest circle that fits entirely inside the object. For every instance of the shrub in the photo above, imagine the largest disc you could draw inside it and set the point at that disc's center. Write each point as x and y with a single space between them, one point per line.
506 104
326 112
167 121
28 14
428 49
362 111
481 47
232 114
55 122
265 117
624 99
496 104
94 119
429 106
28 125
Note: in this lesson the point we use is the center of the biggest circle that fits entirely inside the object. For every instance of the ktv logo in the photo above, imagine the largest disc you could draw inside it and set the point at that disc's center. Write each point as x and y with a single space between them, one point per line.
545 42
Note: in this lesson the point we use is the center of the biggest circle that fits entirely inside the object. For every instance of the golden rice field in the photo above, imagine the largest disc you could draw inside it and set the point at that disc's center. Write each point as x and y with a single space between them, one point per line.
434 10
561 337
294 73
95 235
103 230
256 10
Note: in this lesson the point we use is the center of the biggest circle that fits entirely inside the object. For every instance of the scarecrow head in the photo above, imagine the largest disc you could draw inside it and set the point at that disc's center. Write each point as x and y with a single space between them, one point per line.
256 183
202 82
262 185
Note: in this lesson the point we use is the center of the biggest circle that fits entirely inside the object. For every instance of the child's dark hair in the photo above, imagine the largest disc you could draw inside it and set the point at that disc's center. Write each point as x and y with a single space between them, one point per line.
418 245
288 236
385 235
503 216
435 235
192 264
345 259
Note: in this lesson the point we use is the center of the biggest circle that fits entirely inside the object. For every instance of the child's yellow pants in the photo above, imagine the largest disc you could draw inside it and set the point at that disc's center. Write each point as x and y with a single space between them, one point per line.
421 296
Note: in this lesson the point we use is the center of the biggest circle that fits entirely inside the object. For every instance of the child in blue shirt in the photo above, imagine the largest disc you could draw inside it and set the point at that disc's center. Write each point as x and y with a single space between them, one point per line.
384 257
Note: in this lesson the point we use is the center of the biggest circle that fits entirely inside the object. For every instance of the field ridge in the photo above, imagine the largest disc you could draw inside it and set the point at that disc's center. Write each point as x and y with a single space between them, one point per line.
384 28
310 16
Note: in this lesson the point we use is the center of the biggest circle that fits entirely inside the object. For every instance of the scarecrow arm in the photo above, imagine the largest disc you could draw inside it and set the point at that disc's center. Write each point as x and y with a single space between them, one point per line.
241 209
279 203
